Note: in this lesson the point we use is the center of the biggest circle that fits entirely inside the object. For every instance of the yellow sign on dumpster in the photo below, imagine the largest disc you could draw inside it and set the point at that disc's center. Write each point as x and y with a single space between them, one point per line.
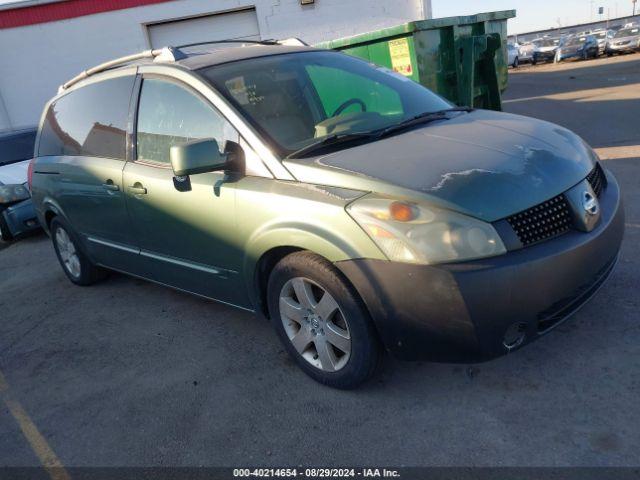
401 56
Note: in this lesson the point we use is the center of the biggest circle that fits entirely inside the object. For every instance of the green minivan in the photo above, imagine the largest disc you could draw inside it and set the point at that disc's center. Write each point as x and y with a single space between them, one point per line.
356 209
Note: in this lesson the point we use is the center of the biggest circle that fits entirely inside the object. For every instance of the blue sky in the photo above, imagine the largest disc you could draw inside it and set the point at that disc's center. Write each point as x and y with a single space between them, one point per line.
536 14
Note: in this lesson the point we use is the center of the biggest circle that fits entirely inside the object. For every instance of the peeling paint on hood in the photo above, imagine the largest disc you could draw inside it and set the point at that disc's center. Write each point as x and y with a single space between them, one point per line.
14 173
488 164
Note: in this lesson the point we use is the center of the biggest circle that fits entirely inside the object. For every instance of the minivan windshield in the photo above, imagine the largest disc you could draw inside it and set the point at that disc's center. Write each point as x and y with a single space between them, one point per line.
299 99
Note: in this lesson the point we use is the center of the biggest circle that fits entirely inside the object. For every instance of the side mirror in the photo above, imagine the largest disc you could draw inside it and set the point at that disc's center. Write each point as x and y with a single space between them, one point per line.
197 156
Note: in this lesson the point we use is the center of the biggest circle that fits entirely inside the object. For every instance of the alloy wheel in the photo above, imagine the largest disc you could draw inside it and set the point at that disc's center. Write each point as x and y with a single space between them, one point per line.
67 251
315 324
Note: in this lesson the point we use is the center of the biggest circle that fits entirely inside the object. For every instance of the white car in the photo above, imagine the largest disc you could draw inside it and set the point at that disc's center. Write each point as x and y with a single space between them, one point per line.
513 55
17 216
544 49
526 51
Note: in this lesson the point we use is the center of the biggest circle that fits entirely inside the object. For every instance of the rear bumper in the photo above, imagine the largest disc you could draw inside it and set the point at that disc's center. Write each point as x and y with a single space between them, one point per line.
461 312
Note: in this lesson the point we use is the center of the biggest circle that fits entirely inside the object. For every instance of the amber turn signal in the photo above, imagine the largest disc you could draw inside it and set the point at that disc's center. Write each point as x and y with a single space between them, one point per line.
402 212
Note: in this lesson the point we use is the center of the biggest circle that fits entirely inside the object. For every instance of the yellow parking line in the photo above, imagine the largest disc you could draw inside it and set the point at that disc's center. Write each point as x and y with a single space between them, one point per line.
39 445
616 153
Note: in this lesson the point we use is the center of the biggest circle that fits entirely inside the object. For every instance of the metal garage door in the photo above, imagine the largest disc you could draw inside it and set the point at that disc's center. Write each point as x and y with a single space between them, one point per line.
223 26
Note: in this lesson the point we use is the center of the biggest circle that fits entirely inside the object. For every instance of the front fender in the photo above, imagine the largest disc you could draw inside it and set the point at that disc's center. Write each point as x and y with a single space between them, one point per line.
333 244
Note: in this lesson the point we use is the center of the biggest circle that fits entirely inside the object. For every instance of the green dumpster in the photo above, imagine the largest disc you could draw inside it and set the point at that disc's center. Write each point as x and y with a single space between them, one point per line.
464 59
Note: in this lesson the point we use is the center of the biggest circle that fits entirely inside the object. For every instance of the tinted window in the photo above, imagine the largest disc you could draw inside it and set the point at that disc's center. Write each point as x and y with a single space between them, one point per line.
170 115
17 147
90 121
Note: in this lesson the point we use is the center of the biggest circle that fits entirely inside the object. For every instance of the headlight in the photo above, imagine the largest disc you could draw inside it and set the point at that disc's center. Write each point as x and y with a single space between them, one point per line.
409 232
13 193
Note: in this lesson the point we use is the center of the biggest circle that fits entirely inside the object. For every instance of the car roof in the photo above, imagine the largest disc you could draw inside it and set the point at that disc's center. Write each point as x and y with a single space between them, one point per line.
198 60
180 56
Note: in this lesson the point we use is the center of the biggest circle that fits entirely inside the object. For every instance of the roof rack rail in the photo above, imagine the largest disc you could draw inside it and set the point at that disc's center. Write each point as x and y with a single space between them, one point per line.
287 41
214 42
169 54
166 54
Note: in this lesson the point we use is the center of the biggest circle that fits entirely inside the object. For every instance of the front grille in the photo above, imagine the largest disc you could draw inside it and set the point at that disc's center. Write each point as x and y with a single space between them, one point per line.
545 220
597 179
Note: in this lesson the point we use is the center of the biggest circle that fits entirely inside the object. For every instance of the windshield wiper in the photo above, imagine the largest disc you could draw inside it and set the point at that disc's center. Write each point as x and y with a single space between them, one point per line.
421 118
335 139
340 138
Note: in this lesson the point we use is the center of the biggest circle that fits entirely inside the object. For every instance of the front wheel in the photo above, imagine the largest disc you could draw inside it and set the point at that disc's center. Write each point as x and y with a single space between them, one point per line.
5 232
74 262
321 321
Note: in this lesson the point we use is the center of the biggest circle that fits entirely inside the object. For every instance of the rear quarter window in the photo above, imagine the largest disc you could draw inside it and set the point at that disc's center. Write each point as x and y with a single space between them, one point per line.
90 121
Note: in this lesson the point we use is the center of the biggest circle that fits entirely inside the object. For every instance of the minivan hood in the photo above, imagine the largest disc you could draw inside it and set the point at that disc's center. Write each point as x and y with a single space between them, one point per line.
486 164
14 173
632 38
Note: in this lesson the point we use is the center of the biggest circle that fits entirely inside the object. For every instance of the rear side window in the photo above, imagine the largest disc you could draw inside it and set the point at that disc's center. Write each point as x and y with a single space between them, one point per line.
90 121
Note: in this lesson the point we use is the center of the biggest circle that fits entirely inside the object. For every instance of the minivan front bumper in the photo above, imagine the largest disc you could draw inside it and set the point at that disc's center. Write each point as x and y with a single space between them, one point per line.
472 311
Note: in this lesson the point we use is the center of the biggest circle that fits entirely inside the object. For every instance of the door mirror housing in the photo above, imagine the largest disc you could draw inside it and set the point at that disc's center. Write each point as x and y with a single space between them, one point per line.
197 156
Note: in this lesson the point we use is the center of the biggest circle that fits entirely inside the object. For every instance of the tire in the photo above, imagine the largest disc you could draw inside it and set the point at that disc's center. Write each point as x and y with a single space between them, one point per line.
316 333
75 264
5 233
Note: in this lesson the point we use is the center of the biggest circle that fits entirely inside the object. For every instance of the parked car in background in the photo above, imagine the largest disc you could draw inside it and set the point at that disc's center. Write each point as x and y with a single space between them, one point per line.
525 51
625 40
545 49
17 216
603 37
513 56
355 209
582 47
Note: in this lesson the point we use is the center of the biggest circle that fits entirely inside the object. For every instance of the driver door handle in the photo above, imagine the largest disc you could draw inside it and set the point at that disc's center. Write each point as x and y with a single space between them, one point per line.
137 189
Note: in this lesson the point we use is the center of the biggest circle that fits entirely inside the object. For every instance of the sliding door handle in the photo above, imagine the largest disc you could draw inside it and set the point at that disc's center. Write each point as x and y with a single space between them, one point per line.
137 189
110 186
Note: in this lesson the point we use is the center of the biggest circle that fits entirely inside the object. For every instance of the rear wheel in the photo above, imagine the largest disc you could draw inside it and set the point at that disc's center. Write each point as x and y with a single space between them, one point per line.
321 321
74 262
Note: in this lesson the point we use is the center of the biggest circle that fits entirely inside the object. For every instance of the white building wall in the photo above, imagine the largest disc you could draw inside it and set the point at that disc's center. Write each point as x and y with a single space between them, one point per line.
37 58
